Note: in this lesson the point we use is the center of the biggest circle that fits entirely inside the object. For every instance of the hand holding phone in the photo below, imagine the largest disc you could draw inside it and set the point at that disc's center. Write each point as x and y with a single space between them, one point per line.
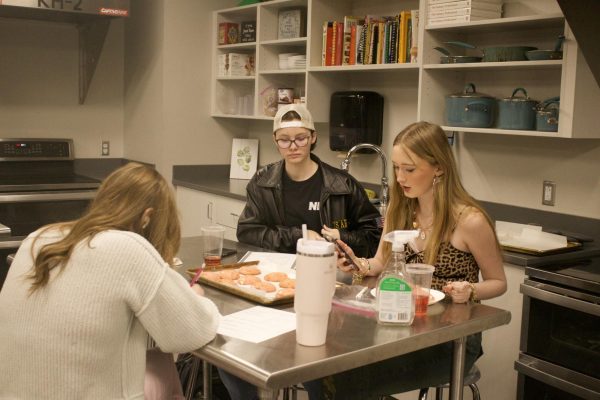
349 258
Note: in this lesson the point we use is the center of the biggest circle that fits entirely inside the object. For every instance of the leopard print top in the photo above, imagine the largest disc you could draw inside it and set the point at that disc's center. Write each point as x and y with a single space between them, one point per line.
452 265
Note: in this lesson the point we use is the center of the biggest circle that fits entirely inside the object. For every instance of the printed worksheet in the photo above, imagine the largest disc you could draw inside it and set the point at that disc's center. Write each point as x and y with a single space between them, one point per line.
257 324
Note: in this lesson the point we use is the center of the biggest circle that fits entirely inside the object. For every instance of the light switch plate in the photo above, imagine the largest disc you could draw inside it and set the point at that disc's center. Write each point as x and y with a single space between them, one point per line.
105 148
548 193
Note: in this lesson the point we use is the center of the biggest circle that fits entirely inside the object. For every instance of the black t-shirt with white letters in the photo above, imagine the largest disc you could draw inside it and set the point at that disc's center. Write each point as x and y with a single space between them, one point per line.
301 201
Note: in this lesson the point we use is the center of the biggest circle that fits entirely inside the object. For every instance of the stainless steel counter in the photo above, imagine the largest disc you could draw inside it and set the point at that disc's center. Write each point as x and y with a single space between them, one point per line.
352 340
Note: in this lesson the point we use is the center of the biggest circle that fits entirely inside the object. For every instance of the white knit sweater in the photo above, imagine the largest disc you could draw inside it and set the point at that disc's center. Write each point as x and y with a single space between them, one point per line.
84 335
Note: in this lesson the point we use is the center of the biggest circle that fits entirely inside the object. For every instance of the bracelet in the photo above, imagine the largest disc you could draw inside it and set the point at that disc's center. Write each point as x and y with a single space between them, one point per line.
473 295
358 276
366 260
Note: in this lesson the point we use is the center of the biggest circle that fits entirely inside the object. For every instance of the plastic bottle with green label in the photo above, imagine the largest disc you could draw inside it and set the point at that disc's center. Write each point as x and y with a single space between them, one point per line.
395 304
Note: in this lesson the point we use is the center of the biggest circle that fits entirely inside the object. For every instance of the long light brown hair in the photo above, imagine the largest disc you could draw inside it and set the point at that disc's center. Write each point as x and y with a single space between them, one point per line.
430 143
119 204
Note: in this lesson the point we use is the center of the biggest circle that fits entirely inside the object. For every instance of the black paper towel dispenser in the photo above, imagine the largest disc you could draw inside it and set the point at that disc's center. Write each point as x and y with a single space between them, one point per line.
355 117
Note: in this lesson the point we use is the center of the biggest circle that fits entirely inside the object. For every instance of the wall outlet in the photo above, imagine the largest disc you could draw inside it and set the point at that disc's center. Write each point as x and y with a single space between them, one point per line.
548 193
105 148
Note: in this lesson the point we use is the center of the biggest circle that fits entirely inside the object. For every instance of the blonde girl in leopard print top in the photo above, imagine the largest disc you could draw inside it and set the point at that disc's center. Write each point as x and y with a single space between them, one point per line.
427 195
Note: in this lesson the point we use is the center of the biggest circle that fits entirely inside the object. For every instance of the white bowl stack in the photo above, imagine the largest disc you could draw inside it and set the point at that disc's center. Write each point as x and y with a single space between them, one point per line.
292 61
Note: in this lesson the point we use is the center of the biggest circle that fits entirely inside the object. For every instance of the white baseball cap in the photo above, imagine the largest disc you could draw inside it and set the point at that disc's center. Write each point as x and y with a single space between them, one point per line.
305 121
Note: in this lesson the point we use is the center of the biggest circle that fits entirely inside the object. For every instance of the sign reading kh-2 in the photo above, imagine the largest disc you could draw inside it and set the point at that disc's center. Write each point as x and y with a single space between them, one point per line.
115 8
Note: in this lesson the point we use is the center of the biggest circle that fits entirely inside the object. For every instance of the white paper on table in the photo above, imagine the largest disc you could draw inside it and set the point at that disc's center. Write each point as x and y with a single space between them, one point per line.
257 324
273 261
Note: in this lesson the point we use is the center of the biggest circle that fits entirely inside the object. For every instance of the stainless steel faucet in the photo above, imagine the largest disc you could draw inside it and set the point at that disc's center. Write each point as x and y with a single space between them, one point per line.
384 180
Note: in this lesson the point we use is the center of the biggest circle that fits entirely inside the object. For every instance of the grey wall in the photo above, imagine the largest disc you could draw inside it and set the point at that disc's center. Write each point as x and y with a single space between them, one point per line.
39 86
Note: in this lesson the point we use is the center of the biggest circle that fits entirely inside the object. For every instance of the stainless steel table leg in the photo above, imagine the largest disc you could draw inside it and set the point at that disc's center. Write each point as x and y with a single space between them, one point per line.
458 369
206 380
267 394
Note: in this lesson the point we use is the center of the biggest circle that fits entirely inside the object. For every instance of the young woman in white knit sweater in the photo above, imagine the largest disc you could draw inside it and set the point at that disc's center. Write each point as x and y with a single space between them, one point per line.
81 297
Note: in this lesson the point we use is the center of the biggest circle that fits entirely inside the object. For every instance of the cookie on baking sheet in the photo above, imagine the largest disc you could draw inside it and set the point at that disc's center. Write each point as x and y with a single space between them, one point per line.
230 274
276 277
265 286
250 270
248 280
288 283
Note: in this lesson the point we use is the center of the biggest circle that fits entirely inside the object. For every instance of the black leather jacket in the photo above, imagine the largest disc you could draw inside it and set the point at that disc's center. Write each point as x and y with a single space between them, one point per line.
344 206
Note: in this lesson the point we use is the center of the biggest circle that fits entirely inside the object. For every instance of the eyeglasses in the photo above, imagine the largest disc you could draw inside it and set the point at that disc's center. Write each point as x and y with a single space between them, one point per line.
300 141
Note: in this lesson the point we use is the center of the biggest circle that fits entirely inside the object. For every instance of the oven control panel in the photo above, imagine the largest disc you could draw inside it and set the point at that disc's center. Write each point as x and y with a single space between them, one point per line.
36 149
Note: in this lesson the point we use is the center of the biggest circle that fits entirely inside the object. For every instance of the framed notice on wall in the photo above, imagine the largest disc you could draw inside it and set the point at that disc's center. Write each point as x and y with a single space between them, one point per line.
244 158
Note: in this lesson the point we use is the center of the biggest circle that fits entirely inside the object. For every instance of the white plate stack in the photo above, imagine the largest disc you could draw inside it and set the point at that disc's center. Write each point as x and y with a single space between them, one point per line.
292 61
297 61
457 11
283 60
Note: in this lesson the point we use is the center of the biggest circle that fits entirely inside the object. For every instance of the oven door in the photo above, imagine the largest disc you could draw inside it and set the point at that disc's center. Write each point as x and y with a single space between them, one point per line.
560 342
25 212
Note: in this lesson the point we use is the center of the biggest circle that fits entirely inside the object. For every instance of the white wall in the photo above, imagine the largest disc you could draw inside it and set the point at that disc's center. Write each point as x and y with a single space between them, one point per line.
39 86
510 170
167 86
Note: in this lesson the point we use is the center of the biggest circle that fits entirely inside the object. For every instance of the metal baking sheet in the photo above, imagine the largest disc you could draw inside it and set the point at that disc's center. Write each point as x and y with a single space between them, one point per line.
571 246
241 291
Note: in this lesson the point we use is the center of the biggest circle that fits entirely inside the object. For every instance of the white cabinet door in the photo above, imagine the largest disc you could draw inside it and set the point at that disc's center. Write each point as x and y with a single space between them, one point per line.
202 209
196 209
227 213
501 345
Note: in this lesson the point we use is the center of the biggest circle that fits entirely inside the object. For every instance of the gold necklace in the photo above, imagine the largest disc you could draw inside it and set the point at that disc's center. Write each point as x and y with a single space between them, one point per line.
422 231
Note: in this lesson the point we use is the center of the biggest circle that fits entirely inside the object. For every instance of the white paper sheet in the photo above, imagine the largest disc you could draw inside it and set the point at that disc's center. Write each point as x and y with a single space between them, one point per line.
257 324
528 236
275 261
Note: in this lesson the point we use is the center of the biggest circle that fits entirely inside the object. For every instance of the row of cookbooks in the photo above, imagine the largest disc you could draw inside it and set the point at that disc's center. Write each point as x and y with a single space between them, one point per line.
371 39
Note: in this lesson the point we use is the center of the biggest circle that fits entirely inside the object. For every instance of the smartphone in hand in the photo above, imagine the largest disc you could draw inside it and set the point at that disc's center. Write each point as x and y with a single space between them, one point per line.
350 259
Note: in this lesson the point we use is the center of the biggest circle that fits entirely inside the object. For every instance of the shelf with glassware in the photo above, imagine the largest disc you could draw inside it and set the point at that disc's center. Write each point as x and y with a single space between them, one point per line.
446 75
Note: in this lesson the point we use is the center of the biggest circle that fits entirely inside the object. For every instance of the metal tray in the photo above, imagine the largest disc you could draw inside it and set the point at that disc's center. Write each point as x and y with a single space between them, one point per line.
241 291
571 246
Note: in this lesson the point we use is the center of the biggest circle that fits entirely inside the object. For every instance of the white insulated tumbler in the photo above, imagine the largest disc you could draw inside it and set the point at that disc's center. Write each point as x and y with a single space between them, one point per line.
315 286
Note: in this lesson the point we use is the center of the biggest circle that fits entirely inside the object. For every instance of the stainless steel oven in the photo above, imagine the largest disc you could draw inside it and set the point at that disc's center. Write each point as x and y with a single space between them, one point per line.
560 332
38 186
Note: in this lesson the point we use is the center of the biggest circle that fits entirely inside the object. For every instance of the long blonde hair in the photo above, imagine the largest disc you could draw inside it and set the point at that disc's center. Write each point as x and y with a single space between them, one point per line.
121 201
429 142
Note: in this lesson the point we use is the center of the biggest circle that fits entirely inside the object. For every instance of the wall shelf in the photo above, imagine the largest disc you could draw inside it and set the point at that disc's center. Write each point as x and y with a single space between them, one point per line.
491 66
496 131
526 21
365 68
417 91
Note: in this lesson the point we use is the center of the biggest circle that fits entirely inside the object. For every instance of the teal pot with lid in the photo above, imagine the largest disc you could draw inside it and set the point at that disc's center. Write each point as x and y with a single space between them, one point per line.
470 109
546 115
517 112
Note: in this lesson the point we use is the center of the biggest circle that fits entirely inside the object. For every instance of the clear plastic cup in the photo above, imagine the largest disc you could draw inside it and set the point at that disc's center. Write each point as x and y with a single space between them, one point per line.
420 276
212 240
